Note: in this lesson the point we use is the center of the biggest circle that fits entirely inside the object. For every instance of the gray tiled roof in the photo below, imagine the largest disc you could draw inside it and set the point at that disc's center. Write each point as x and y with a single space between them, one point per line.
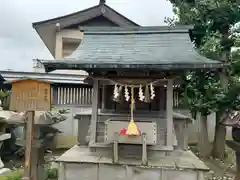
142 47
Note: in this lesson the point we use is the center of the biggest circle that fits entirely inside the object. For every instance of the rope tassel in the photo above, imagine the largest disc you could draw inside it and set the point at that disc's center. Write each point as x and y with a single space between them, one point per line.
132 129
147 95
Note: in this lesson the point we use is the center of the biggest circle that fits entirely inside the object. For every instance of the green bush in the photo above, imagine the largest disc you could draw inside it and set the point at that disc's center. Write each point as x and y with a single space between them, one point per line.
13 175
3 94
51 173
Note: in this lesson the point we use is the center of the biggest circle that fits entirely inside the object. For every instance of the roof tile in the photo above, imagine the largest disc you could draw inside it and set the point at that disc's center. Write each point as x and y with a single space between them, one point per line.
143 46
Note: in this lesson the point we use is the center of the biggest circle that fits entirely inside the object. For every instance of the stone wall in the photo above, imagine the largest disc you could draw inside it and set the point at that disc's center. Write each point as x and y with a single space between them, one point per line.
90 171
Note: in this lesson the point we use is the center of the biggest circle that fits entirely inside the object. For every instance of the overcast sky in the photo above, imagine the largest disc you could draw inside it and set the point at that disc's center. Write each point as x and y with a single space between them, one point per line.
19 43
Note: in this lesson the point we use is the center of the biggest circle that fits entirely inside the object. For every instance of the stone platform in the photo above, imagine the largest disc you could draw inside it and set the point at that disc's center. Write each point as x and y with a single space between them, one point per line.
80 163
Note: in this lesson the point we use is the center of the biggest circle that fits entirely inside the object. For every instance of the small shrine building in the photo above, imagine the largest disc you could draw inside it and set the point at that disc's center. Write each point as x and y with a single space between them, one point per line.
132 131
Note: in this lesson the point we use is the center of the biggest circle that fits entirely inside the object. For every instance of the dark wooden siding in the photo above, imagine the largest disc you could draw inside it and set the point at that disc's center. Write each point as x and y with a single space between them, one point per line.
98 21
158 103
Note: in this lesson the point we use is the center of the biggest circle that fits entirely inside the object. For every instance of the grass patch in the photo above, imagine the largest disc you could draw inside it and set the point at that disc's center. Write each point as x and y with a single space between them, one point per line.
51 173
13 175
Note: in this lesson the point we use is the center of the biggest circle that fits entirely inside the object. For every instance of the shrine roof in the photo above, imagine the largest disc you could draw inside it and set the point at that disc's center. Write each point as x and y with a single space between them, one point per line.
150 48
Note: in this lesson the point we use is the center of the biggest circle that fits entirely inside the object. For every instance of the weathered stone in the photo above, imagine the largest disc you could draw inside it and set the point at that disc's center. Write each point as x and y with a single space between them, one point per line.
182 175
4 171
1 163
146 174
4 136
81 163
111 172
82 171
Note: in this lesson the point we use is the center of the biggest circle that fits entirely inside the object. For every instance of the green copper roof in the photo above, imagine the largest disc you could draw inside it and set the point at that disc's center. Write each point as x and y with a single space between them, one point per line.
155 48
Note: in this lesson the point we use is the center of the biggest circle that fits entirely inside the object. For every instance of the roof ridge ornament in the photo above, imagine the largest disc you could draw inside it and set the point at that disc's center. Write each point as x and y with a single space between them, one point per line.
101 2
103 10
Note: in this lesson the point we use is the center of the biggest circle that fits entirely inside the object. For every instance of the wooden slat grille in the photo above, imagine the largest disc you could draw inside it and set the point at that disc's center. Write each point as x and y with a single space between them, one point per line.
72 95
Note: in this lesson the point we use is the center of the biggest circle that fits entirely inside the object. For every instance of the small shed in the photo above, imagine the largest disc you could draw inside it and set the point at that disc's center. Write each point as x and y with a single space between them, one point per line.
132 131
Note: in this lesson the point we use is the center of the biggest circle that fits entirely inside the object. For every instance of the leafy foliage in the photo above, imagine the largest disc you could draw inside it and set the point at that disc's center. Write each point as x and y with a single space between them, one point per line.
52 174
208 16
3 94
13 175
201 93
211 20
235 50
211 46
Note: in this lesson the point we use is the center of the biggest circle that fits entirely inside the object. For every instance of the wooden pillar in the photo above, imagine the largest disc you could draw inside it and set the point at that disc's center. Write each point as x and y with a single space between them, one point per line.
83 125
94 112
62 171
115 148
144 149
30 166
58 46
42 175
169 113
103 96
181 134
55 93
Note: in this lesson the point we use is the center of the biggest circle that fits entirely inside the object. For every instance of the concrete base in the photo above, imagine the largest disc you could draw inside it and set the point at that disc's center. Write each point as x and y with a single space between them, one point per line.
116 172
81 163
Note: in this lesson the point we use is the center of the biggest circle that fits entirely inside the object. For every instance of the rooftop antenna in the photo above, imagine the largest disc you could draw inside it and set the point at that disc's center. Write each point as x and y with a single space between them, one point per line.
102 2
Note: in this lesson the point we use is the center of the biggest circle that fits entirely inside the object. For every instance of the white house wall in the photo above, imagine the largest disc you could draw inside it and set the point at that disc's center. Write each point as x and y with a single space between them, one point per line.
68 137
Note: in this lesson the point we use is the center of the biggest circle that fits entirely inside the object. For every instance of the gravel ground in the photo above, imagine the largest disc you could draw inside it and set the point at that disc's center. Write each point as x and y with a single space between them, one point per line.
220 170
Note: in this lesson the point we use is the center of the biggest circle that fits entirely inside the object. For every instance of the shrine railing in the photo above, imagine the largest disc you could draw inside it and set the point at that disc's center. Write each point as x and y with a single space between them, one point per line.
71 95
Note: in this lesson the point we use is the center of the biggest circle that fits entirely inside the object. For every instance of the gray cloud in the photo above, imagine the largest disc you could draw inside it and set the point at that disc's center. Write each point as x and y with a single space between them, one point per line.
19 43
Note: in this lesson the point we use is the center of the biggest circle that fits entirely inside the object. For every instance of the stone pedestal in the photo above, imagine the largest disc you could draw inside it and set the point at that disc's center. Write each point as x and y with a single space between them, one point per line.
3 137
80 163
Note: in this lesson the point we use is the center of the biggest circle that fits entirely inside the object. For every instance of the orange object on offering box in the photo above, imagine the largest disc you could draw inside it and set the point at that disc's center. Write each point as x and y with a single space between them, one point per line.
132 130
